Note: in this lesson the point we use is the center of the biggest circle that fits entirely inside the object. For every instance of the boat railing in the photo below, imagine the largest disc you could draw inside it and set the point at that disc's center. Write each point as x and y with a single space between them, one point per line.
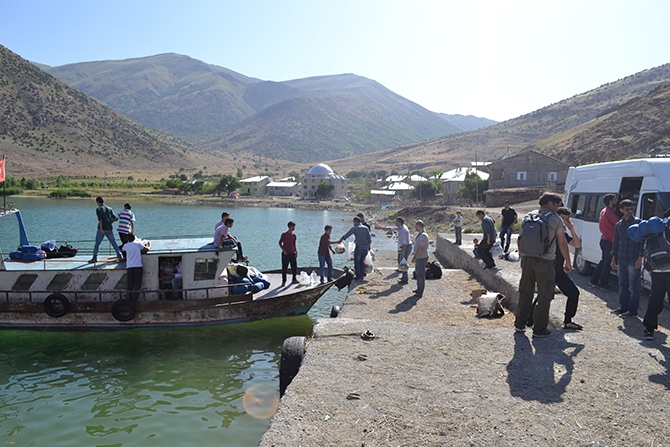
84 296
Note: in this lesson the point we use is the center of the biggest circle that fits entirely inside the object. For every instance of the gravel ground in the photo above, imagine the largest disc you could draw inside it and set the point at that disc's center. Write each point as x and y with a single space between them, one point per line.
436 375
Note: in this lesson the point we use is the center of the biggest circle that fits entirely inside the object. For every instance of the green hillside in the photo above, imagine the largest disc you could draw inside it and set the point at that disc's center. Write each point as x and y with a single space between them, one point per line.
218 107
48 127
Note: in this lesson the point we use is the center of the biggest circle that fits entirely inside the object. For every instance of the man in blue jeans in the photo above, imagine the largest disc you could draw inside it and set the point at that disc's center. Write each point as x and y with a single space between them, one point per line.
105 219
509 218
404 244
627 256
363 242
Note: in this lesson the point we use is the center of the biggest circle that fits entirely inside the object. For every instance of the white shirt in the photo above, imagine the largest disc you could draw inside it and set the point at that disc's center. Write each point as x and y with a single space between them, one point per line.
133 253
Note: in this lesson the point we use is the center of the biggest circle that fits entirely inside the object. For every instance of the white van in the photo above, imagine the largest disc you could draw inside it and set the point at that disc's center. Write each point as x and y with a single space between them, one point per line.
645 181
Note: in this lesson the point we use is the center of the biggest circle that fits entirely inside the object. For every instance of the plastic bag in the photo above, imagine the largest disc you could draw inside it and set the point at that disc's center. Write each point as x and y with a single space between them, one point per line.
496 250
367 264
350 250
304 279
340 248
403 266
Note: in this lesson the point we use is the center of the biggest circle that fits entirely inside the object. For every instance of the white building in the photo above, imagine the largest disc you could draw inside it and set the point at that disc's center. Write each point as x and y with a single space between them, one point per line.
453 180
282 188
322 173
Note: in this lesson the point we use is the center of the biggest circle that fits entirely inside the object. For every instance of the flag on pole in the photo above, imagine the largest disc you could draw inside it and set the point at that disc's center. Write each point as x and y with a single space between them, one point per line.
2 170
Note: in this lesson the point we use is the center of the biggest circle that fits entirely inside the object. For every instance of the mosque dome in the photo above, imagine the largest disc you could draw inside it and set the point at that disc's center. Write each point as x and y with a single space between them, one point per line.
320 169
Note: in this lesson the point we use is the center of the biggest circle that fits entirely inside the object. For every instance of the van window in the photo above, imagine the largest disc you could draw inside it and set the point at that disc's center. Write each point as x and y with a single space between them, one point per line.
594 207
654 204
577 205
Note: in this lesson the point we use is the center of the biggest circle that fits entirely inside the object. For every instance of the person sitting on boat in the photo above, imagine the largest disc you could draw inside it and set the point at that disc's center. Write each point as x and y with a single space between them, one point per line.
177 283
105 219
223 237
134 250
224 216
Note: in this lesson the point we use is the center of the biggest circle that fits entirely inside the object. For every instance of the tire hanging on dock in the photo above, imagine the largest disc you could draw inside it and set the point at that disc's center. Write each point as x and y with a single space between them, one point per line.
56 305
292 353
123 310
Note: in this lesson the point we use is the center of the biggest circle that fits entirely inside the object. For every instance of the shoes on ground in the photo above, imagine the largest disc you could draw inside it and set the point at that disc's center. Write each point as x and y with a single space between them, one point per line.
402 281
628 314
519 329
593 285
649 334
541 334
619 311
283 284
330 279
92 260
573 326
295 281
418 295
488 267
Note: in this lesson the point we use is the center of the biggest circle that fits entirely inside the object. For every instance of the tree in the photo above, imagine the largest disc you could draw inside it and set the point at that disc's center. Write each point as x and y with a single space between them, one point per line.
424 190
295 175
239 173
436 178
323 190
472 186
227 184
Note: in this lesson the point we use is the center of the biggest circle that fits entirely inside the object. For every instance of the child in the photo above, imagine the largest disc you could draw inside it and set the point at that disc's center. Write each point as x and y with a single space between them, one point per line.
475 241
324 253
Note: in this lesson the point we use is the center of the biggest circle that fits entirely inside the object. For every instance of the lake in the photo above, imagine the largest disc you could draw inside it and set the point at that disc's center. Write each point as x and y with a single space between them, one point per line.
154 387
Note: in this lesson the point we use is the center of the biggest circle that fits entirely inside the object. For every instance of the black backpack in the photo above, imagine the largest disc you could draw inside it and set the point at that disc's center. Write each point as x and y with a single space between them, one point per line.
435 269
534 235
657 251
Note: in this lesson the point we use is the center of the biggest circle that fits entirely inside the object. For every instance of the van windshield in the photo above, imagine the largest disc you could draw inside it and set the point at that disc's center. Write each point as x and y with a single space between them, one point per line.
654 204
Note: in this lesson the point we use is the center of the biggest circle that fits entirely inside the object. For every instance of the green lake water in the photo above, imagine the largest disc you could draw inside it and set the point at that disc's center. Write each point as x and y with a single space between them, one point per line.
154 387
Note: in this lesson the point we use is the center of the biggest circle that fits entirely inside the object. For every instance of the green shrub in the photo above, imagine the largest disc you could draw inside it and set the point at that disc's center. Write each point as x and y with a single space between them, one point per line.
72 192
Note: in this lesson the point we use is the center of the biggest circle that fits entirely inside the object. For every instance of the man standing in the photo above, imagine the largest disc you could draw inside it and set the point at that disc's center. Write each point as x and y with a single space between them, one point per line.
660 286
627 258
363 242
509 218
126 224
404 244
134 250
538 270
361 216
289 253
458 227
105 219
420 258
488 239
608 220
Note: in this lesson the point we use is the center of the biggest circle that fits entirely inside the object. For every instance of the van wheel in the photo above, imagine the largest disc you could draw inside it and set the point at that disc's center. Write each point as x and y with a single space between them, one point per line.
292 353
583 267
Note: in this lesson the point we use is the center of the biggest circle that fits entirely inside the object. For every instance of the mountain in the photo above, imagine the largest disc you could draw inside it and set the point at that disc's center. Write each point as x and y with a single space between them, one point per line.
313 119
50 128
638 128
172 93
558 121
468 122
334 116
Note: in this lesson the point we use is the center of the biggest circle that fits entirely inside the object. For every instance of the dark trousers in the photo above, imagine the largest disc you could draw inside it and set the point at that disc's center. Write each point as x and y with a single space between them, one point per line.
484 251
134 282
535 272
601 275
125 238
660 286
571 292
459 237
359 261
420 269
285 261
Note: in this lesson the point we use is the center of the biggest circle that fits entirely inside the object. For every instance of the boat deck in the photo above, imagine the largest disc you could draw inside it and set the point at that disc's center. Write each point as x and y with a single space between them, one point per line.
110 262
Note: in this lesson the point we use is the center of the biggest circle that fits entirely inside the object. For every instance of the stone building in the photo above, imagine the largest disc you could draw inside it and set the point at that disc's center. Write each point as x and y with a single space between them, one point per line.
527 169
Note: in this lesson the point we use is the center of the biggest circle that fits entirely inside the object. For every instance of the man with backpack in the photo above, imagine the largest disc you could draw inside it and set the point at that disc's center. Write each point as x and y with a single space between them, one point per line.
627 256
540 235
658 265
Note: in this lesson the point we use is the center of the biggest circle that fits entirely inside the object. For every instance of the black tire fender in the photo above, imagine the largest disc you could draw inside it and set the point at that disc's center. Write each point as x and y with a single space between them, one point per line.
123 310
56 305
292 353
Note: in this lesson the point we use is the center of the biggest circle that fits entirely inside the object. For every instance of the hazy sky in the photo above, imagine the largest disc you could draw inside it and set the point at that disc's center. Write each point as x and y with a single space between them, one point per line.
493 59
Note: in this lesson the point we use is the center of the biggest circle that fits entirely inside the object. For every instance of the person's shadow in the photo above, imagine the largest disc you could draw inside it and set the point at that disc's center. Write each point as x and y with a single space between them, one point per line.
662 378
543 370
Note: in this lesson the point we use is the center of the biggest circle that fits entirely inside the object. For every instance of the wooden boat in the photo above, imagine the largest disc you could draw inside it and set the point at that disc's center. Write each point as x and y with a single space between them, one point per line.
71 293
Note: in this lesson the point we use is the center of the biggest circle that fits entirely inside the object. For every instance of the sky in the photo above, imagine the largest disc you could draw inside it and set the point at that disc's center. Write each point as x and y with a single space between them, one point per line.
493 59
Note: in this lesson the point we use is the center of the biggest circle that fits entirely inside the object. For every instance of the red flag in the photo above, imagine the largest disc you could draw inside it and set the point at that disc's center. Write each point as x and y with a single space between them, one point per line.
2 170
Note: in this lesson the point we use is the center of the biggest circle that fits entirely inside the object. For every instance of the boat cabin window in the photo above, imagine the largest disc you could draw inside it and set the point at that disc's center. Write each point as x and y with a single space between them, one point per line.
205 269
93 281
24 282
167 268
122 284
59 282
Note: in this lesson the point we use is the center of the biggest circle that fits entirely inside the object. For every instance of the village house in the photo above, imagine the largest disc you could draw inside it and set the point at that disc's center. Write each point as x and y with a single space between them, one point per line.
254 185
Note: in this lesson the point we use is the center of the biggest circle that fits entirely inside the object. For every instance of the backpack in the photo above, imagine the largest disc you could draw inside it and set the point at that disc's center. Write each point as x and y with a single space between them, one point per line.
657 251
435 269
534 235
